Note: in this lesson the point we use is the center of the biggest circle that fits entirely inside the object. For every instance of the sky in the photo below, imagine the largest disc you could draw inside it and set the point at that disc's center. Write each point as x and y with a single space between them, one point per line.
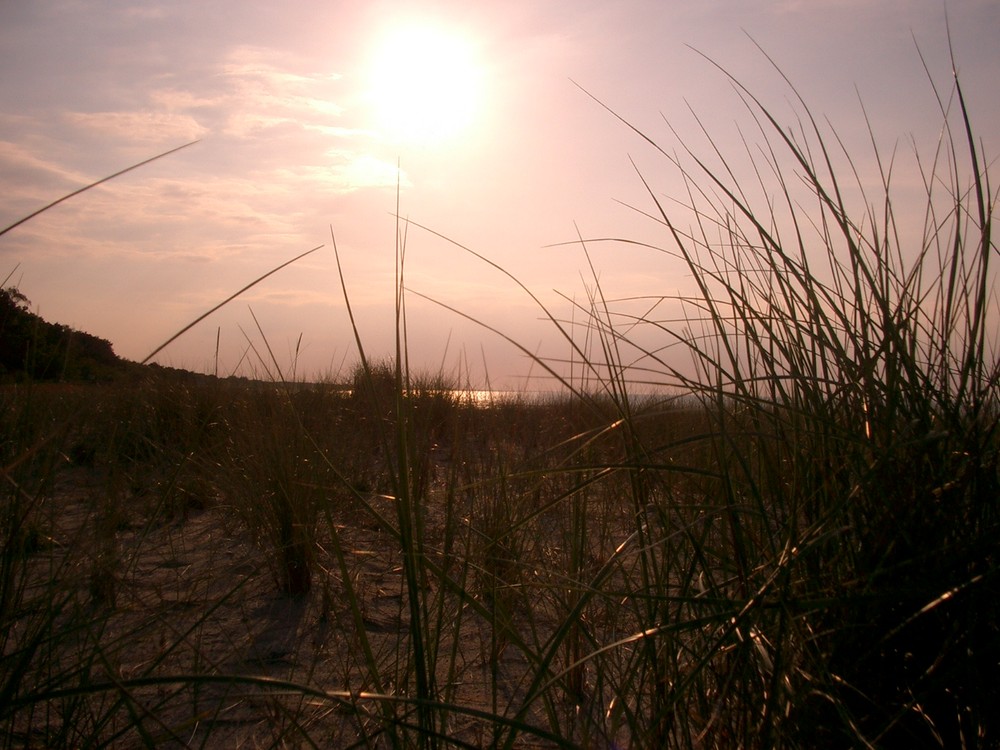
487 123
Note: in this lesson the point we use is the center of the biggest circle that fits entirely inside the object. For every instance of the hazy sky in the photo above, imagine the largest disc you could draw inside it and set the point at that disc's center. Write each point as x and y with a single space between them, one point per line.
293 108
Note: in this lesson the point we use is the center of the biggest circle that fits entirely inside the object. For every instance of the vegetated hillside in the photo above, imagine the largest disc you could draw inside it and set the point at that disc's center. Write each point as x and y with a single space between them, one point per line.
32 348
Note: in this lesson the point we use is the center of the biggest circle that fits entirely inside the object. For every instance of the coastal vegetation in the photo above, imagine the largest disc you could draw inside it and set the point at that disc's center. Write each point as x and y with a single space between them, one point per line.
792 545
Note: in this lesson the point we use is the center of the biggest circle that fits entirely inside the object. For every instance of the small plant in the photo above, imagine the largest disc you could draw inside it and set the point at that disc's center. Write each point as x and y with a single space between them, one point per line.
277 484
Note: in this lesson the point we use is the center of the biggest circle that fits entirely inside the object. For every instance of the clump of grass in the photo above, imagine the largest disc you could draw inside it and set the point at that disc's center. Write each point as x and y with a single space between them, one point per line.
851 383
276 483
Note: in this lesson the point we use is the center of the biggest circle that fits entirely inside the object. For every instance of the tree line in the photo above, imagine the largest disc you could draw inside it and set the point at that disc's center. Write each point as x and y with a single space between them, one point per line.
31 348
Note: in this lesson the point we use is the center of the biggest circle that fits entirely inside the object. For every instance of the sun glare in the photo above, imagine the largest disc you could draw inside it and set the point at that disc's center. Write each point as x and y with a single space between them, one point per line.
424 86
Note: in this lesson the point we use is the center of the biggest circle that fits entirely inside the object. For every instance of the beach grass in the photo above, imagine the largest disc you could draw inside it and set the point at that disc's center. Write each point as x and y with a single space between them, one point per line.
790 542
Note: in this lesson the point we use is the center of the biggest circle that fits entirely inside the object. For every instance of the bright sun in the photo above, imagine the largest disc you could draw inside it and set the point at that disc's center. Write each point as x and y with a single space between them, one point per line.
425 85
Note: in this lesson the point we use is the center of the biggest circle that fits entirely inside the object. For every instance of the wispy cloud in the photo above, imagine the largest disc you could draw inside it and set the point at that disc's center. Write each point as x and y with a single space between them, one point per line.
18 160
264 93
356 171
140 127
